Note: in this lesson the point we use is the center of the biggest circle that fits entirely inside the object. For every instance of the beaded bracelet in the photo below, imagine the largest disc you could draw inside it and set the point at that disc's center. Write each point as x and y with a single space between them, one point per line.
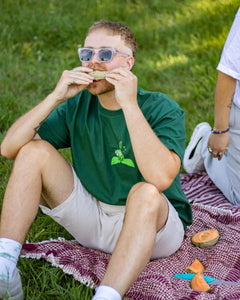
220 131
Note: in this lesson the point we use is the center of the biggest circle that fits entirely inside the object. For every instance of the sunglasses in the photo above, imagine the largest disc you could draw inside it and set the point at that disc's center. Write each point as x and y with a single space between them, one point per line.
104 54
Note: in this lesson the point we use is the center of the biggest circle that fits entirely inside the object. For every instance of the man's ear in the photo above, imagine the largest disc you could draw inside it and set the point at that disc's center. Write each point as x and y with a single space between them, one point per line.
130 62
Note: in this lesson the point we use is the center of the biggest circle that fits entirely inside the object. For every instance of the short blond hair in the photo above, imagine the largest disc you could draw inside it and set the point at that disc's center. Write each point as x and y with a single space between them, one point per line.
116 28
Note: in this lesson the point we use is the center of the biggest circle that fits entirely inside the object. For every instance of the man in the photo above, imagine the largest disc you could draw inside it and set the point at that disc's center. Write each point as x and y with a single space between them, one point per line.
123 193
216 150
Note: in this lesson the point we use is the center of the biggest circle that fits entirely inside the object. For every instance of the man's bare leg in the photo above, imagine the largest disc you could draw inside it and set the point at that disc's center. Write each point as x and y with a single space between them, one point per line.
146 214
38 168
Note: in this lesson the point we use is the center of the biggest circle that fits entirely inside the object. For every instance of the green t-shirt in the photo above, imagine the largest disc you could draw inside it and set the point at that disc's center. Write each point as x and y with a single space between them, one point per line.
101 149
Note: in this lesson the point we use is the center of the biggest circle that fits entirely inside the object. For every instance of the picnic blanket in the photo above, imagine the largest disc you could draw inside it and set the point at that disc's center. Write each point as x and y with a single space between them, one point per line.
222 261
199 188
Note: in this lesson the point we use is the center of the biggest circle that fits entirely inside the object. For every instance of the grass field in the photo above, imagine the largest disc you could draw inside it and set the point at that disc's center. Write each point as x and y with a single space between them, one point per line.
179 46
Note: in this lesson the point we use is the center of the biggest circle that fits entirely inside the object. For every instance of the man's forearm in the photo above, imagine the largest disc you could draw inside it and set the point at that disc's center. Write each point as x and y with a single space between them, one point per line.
157 164
24 129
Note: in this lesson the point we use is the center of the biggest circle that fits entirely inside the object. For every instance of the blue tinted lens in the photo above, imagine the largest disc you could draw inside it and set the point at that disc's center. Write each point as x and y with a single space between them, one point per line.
105 54
86 54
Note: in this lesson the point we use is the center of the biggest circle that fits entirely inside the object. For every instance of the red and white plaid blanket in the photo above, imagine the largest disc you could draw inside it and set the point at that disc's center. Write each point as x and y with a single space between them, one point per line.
222 261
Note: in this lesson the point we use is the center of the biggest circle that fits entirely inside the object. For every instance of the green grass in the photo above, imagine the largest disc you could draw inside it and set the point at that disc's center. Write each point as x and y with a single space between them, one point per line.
180 42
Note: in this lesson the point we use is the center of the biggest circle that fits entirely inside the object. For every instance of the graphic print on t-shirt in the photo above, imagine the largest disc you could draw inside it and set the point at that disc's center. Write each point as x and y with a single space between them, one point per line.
119 158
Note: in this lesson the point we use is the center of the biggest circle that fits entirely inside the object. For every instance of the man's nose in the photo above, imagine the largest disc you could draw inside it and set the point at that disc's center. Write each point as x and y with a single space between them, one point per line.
95 57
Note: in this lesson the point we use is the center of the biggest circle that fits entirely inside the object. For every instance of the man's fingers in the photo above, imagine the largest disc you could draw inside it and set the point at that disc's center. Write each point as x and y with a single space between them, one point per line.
78 76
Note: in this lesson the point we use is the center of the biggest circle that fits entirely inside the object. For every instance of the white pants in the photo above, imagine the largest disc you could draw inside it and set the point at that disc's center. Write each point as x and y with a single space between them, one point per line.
97 225
225 173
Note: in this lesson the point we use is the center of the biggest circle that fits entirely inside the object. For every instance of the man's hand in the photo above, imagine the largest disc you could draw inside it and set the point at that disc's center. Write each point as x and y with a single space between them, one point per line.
72 82
125 83
219 143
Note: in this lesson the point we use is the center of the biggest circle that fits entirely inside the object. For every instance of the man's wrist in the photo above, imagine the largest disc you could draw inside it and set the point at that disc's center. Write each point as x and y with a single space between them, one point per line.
54 99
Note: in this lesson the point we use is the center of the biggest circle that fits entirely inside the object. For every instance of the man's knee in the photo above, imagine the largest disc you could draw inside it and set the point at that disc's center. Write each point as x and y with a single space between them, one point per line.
146 197
148 205
35 152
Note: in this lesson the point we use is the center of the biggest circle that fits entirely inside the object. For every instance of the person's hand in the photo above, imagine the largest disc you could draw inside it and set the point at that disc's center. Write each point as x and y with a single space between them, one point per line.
72 82
125 83
218 144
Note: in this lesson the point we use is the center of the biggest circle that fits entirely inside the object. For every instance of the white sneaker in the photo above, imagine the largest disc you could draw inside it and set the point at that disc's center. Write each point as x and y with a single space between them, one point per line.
12 289
193 161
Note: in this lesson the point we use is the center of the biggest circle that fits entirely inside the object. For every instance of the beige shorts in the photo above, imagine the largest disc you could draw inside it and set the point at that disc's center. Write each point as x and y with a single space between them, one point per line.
97 225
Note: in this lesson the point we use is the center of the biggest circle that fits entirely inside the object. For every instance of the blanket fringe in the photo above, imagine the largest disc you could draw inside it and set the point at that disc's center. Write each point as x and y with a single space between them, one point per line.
86 280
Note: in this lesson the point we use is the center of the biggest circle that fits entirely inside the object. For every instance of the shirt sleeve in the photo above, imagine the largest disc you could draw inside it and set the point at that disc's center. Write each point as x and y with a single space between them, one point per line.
167 120
171 131
230 58
54 129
